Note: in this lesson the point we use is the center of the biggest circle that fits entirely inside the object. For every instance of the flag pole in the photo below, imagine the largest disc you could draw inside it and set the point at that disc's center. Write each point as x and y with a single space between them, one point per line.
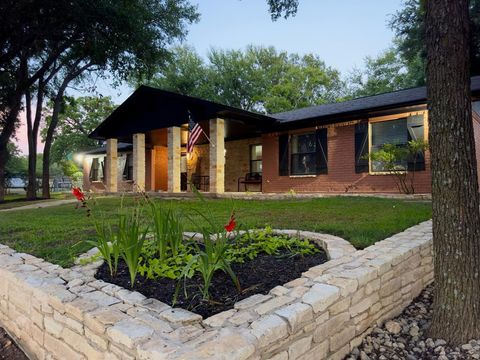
209 140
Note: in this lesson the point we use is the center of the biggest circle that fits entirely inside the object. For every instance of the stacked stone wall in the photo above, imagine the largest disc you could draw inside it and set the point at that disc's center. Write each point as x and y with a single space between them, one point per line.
57 313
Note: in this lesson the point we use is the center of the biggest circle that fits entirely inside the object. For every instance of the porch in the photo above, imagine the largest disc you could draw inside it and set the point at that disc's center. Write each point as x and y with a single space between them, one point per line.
229 148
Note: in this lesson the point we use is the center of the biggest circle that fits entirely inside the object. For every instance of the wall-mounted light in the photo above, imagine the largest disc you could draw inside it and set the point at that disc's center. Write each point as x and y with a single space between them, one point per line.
78 158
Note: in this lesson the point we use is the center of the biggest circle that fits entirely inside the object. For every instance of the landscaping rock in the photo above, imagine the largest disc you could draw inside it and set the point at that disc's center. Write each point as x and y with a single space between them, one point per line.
404 338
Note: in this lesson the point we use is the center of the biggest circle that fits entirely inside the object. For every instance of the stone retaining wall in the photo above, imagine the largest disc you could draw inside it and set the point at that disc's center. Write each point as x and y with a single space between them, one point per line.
57 313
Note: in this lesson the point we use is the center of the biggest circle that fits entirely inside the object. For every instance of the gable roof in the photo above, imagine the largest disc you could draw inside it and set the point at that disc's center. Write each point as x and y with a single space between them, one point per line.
394 99
150 108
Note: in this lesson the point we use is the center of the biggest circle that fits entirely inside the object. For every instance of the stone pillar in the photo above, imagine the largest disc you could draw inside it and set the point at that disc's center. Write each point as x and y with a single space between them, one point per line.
174 155
111 166
139 162
217 156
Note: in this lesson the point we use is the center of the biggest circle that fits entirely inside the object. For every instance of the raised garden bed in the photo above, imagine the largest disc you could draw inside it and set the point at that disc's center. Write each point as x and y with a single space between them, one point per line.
257 276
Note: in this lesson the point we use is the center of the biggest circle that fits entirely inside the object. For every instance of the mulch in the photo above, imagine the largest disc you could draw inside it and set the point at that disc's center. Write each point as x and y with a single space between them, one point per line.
8 349
257 276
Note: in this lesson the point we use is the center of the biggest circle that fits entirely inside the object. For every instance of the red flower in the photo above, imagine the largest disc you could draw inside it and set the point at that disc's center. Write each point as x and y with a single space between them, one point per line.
78 194
231 224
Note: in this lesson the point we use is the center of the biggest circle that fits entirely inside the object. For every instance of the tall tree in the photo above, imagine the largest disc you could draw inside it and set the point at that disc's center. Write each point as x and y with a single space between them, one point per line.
123 38
455 191
385 73
256 79
77 119
409 26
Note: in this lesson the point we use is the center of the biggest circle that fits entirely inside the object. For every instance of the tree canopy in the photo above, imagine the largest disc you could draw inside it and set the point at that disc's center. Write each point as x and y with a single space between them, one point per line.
259 79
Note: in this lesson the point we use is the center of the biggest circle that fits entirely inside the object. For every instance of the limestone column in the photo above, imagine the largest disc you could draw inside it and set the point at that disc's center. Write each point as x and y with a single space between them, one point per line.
217 156
111 166
139 161
174 156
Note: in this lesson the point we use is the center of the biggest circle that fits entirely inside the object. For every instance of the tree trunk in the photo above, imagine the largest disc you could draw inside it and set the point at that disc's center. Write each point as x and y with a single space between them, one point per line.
7 132
455 192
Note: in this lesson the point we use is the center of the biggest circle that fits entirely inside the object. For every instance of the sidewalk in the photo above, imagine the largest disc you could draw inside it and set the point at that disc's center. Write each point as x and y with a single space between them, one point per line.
44 204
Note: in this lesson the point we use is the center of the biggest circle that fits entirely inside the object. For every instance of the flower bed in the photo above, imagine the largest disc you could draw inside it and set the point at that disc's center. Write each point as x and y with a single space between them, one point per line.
257 275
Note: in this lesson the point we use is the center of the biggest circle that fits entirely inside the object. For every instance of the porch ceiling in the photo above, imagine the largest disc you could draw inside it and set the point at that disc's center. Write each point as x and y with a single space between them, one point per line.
150 108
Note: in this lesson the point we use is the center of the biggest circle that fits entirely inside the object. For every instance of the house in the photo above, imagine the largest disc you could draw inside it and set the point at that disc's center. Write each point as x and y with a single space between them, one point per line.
321 148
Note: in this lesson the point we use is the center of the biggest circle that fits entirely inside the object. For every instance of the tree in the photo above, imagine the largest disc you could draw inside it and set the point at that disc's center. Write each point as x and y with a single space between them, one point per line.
455 192
409 27
69 38
385 73
78 118
257 79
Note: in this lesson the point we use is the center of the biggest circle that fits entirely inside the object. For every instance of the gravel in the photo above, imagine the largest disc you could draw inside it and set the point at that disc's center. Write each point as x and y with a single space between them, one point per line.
405 338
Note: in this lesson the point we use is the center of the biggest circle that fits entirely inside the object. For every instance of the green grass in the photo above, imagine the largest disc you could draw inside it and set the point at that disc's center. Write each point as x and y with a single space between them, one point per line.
16 200
58 234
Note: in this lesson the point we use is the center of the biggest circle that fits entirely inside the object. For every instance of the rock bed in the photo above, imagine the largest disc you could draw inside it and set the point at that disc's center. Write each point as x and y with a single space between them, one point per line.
8 349
405 337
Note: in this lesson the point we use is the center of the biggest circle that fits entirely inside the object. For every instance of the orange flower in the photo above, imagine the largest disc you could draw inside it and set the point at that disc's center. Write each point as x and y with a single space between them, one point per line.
231 224
78 194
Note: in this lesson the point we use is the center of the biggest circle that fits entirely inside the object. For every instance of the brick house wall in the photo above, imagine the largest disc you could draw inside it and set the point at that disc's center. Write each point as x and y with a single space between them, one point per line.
341 175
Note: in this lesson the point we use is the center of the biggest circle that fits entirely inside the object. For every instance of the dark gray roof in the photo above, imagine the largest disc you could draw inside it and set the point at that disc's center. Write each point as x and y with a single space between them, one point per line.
407 97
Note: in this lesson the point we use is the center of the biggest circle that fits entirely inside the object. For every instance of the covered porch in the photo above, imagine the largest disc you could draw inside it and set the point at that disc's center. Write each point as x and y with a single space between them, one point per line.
155 123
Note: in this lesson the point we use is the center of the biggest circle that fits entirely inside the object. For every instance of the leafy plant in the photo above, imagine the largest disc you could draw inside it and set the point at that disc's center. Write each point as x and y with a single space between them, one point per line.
393 159
131 238
168 230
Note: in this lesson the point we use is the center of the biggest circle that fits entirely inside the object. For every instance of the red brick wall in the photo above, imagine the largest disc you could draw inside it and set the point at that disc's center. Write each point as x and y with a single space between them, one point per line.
341 175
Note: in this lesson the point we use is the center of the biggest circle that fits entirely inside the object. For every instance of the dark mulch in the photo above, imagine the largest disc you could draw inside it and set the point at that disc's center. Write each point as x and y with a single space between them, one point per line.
257 276
8 349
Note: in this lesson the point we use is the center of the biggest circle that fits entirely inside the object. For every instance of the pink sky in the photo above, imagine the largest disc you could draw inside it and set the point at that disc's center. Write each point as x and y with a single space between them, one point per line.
21 137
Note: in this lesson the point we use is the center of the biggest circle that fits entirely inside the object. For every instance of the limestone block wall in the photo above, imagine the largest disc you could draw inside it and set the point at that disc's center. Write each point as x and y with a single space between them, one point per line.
57 313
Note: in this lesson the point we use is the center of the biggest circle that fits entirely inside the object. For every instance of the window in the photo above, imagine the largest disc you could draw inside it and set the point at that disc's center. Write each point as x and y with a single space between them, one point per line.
256 159
388 132
303 154
398 132
128 170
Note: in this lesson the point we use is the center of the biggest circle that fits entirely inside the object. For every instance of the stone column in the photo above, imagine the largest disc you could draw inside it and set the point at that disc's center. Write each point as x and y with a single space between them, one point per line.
217 156
111 166
174 155
139 162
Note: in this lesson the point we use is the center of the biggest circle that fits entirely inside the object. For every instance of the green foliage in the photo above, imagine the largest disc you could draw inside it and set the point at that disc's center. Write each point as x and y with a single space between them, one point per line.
168 230
77 119
130 239
393 159
106 243
409 27
259 79
385 73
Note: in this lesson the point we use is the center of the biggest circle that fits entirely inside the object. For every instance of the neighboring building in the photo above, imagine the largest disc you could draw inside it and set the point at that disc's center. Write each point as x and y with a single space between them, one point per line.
316 149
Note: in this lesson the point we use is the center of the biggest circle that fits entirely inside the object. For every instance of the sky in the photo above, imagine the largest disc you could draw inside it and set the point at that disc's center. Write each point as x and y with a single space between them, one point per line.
341 32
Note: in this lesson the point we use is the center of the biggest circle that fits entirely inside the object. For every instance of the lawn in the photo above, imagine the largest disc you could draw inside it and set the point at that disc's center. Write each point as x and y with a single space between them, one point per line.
58 234
16 200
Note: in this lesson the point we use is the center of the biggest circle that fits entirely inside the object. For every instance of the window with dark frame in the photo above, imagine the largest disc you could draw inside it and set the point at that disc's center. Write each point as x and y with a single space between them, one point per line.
256 158
303 154
388 132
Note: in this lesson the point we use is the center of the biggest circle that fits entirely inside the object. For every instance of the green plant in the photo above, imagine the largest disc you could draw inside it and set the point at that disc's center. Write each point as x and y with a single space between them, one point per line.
131 238
211 255
168 229
393 159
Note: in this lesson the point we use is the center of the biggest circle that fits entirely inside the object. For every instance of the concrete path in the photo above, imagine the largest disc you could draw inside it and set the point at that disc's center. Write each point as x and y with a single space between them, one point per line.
43 204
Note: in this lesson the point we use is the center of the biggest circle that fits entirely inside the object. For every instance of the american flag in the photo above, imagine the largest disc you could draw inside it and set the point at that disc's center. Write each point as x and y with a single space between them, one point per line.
194 132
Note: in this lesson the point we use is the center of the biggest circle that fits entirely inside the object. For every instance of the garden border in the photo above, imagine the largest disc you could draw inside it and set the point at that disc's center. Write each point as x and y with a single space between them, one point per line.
66 313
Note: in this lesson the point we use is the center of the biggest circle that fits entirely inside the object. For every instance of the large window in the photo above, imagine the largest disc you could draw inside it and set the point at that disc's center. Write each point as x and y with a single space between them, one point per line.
256 159
303 153
398 132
